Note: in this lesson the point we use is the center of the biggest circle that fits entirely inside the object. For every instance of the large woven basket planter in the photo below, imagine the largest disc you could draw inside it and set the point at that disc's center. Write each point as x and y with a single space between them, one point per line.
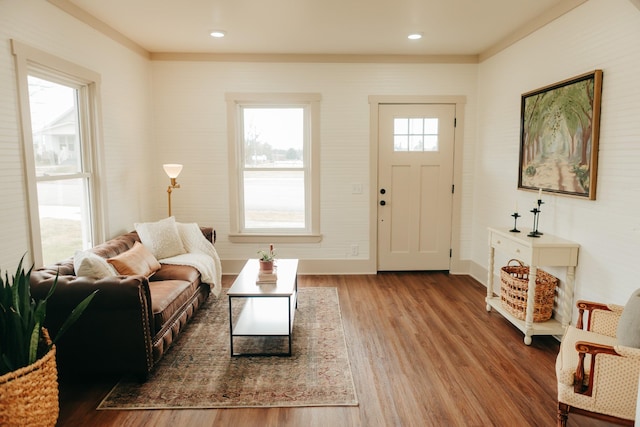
514 287
29 395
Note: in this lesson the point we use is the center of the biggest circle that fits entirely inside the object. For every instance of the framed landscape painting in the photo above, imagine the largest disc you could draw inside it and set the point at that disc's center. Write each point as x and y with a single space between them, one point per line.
559 130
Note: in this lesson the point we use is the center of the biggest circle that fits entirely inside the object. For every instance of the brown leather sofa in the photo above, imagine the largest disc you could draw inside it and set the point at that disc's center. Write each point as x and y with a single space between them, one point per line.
131 321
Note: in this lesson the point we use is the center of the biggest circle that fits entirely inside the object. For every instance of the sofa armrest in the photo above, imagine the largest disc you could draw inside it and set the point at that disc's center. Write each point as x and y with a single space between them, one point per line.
113 332
209 233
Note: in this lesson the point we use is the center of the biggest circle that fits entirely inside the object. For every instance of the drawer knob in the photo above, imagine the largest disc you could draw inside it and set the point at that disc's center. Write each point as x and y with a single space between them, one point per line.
498 241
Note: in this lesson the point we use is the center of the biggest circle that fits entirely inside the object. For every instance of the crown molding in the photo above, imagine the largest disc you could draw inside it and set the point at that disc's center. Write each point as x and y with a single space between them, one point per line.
532 26
313 58
95 23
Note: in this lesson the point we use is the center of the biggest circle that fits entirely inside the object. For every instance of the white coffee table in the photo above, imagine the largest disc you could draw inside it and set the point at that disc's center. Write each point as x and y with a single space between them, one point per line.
268 309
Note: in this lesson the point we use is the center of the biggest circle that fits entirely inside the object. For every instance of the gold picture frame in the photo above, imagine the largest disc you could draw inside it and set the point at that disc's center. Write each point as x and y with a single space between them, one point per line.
559 135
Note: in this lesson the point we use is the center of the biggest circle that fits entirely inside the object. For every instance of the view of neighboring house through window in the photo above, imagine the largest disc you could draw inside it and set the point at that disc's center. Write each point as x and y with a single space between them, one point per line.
63 183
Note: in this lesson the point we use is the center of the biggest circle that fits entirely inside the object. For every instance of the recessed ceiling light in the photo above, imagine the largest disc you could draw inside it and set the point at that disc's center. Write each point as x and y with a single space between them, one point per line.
414 36
217 33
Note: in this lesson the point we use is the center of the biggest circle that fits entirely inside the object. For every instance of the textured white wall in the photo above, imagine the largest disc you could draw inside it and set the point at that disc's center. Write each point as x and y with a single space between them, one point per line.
600 34
158 112
190 128
125 110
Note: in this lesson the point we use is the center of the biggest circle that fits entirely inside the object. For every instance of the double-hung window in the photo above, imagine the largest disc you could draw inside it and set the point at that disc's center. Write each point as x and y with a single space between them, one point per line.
273 146
58 104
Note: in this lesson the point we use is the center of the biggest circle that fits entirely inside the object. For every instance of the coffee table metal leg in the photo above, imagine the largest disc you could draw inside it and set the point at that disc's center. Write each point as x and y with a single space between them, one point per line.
230 327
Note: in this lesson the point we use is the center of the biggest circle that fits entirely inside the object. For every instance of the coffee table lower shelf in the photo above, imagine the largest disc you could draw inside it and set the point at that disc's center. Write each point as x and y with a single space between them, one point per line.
263 317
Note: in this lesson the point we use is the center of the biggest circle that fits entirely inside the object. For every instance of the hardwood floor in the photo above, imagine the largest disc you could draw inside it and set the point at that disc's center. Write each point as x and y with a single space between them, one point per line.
424 352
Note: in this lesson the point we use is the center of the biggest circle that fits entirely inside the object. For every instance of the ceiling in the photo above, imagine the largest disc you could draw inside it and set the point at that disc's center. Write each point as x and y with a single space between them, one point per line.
339 27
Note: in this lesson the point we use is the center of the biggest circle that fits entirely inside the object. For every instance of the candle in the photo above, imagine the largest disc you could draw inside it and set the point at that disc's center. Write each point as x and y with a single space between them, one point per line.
516 211
539 193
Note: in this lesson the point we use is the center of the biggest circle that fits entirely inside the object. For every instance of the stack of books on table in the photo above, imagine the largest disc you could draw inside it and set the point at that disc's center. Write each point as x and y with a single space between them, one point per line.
264 278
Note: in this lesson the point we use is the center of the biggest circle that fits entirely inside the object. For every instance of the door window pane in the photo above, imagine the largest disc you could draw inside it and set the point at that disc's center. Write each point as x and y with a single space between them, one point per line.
415 134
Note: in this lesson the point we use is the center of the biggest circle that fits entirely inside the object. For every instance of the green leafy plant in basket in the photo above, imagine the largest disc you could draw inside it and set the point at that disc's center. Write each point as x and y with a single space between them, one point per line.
22 320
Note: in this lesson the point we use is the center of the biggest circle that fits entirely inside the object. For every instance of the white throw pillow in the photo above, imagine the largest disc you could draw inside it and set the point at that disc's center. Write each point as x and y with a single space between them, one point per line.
88 264
191 236
161 237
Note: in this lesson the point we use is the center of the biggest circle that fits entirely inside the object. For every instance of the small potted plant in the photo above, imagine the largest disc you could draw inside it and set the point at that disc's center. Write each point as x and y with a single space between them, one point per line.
266 260
28 371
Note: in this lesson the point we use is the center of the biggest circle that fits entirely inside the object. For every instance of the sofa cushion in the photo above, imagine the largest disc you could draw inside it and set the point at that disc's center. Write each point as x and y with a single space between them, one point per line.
137 260
177 272
167 297
161 237
86 263
628 332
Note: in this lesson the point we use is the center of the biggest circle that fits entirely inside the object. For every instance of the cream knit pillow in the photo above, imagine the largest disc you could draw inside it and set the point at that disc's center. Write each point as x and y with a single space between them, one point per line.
161 237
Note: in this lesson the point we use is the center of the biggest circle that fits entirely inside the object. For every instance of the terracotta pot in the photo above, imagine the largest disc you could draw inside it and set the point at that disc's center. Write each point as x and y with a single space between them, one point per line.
266 266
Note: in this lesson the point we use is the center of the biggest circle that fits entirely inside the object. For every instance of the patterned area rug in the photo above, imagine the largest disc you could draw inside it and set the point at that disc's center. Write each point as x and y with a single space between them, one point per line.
198 372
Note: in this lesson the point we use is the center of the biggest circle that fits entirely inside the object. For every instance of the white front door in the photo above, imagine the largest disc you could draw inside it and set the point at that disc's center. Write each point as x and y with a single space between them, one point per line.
415 186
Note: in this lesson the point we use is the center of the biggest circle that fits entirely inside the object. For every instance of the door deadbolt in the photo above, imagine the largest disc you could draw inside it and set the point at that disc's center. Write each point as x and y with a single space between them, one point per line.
383 191
382 203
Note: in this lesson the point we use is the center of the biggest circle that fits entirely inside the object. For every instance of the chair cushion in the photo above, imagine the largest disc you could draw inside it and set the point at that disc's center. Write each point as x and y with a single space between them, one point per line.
628 332
567 359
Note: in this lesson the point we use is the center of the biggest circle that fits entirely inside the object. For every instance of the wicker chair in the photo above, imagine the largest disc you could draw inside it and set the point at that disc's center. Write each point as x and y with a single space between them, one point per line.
597 377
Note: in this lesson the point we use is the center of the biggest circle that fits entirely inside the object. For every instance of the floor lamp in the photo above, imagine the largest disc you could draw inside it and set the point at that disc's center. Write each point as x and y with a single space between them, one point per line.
172 170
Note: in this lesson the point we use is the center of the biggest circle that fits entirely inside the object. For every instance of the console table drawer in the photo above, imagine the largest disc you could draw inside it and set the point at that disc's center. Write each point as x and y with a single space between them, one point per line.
511 247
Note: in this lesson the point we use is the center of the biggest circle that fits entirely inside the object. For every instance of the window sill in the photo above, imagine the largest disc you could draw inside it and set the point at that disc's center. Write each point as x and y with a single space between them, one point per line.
275 238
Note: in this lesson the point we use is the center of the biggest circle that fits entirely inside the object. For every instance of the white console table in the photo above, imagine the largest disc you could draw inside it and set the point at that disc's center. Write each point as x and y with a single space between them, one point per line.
546 250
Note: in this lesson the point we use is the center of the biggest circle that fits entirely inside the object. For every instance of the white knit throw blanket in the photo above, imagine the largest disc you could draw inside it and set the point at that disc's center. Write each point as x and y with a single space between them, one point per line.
201 254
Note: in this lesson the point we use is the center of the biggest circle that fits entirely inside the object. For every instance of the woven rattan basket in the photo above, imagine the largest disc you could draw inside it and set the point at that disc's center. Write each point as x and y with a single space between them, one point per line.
29 395
514 285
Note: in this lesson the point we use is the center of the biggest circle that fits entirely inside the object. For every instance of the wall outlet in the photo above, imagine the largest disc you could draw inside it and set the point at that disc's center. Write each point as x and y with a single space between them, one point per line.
354 250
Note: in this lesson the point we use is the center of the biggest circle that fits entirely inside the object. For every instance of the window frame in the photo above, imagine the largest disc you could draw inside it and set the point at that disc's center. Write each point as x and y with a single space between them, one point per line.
34 62
311 104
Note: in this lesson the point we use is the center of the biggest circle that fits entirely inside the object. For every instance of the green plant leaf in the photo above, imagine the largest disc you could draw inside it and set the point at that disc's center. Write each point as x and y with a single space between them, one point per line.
22 319
33 344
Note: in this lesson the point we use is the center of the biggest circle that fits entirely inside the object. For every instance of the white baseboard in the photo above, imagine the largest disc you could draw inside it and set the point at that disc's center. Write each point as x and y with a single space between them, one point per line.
338 266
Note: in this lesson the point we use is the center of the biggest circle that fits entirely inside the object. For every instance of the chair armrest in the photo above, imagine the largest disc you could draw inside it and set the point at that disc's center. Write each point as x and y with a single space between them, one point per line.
589 306
602 318
583 348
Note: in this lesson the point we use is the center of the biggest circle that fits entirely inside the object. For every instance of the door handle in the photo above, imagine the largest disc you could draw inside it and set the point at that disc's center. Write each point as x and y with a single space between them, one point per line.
382 203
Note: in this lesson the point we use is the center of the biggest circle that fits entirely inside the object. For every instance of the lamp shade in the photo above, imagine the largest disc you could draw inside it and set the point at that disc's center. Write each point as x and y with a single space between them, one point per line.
172 169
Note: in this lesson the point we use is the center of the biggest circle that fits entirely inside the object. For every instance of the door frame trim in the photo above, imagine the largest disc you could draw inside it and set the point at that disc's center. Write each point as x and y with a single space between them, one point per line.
374 104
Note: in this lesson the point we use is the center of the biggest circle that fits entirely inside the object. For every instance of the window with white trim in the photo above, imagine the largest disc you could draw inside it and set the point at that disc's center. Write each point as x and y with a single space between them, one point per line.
58 104
273 141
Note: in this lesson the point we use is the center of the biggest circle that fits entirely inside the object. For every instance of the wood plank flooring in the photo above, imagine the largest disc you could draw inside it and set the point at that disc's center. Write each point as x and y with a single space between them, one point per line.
424 352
